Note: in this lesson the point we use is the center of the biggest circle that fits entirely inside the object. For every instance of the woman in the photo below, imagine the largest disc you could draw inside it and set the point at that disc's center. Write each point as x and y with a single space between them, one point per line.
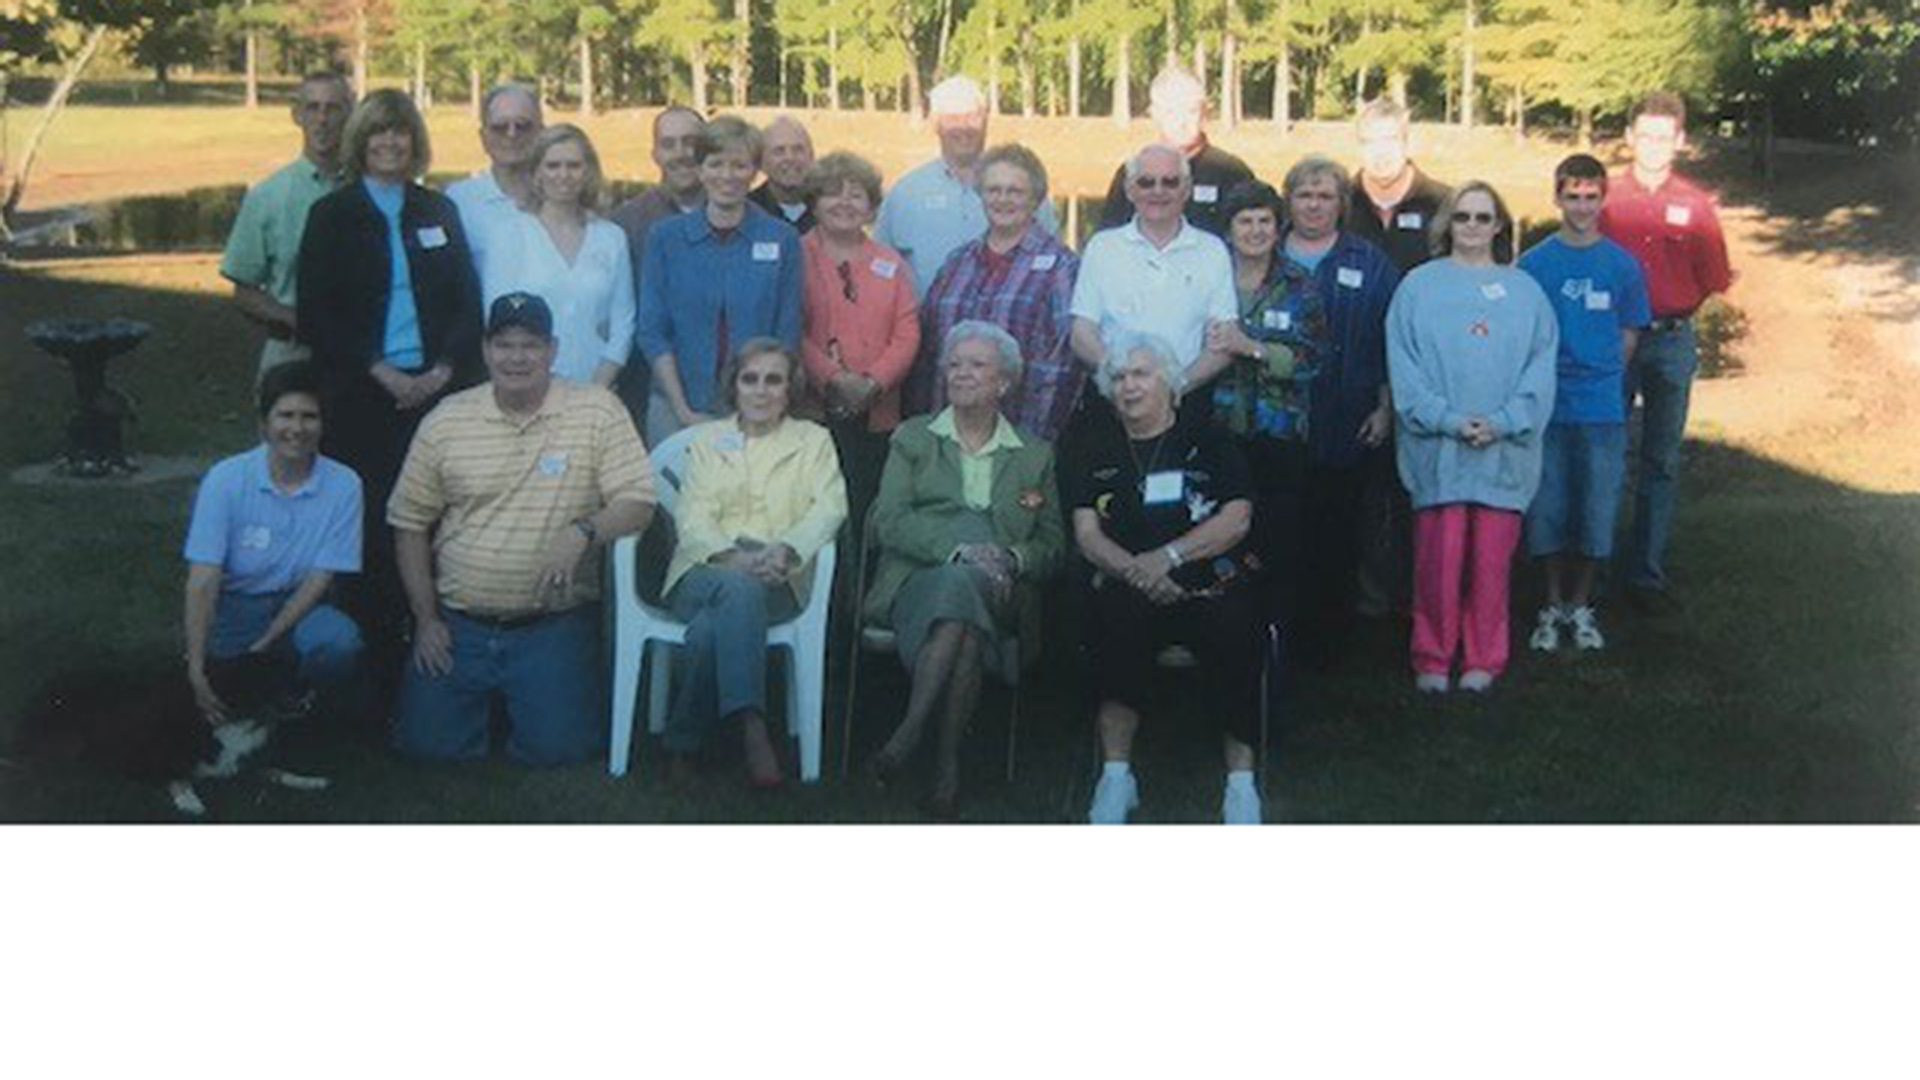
1470 348
726 273
271 527
389 305
564 252
762 496
966 526
1161 510
1263 397
863 321
1019 278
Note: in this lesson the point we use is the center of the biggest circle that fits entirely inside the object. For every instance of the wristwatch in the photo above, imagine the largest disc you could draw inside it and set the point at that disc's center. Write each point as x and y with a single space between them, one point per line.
585 525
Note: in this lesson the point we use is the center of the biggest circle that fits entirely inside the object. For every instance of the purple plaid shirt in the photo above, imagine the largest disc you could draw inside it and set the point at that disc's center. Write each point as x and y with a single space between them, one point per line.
1028 293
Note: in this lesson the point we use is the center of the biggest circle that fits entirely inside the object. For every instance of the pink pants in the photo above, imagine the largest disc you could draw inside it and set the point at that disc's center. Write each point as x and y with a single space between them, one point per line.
1449 542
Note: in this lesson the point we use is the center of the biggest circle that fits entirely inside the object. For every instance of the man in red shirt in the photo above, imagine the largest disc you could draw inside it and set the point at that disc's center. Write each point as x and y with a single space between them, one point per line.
1672 228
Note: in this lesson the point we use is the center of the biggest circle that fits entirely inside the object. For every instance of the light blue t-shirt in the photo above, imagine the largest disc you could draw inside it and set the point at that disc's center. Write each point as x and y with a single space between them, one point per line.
930 213
266 541
1596 291
401 345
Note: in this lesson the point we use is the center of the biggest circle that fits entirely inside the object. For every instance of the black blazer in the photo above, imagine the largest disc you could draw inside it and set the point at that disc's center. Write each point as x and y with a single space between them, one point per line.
344 279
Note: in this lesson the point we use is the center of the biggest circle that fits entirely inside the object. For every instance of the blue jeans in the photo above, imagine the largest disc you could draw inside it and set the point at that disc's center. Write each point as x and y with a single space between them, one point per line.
723 668
325 643
550 673
1661 376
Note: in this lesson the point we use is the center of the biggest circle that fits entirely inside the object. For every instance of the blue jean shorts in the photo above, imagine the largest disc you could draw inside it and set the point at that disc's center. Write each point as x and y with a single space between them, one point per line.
1582 471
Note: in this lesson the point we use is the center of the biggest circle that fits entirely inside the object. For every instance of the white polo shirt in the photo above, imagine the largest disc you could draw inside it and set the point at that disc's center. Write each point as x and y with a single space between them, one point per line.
486 212
1128 285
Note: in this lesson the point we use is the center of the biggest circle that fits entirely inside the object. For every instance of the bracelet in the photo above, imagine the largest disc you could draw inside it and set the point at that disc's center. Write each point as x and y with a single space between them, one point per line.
1173 555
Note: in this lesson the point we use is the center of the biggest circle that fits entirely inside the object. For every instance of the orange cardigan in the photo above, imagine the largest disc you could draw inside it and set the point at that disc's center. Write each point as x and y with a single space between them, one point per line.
878 331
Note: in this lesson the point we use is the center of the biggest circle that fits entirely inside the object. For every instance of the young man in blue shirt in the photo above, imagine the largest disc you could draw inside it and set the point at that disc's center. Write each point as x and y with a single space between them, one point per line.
1599 296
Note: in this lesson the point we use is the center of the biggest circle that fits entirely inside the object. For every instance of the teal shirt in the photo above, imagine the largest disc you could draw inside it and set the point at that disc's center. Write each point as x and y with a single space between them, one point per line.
401 342
263 250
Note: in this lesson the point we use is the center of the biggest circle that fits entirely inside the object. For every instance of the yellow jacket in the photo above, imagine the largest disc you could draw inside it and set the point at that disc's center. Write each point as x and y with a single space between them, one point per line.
783 487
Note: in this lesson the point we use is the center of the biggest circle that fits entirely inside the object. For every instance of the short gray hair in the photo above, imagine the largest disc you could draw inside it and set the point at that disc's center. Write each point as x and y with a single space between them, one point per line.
1313 167
1012 365
505 88
1135 164
1120 350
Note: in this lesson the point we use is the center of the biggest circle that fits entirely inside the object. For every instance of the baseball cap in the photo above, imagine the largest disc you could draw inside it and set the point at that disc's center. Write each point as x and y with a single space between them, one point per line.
521 309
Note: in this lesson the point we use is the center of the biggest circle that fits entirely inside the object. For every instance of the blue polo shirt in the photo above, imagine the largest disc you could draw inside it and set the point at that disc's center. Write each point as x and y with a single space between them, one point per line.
400 340
690 275
267 541
1596 291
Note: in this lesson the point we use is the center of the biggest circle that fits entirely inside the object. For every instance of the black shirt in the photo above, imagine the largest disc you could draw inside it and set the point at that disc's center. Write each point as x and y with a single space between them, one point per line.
763 197
1192 471
1214 172
1404 235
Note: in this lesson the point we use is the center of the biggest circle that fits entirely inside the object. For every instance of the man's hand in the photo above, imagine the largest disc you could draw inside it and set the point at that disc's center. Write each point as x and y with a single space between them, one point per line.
1375 428
562 561
1147 572
1227 338
432 646
211 707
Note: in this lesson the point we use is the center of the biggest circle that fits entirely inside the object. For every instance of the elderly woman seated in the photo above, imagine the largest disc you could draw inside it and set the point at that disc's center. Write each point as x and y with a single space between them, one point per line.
966 525
762 494
1161 508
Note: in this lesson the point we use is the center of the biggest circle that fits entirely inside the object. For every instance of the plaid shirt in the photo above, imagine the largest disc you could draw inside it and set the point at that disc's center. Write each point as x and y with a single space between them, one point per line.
1028 293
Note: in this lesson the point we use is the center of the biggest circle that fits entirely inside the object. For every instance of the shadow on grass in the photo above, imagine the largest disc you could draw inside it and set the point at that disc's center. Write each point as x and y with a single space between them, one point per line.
1784 692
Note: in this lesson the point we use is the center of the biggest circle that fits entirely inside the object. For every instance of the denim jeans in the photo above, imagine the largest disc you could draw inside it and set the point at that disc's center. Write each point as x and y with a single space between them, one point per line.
550 673
1661 376
325 643
723 668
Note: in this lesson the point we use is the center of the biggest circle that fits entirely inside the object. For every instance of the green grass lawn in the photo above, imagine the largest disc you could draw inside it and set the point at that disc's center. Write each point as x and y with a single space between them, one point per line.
1784 692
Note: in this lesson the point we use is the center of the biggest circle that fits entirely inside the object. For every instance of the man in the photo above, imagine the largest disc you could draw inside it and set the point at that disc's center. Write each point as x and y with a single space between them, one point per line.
935 208
1392 207
1672 228
1393 201
489 199
1158 274
509 492
786 159
675 130
263 251
1178 106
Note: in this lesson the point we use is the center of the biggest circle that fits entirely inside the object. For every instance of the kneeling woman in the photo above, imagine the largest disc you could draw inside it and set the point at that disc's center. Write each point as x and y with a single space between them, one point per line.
763 494
966 524
1161 509
271 527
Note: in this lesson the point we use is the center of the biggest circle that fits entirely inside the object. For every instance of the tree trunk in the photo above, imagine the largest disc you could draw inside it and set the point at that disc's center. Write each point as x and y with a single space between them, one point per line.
1172 42
784 61
417 84
1586 127
1073 75
993 63
833 69
1397 84
742 52
1467 102
946 36
17 187
915 98
1230 78
1026 82
360 49
473 89
253 66
586 75
1122 80
697 63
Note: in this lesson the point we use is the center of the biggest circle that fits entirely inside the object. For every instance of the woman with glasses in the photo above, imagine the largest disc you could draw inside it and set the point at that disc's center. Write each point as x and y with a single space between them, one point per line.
863 320
762 496
1471 347
1020 278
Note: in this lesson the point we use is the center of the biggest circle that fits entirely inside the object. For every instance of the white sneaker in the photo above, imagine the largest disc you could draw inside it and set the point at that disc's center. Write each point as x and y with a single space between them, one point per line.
1431 684
1586 633
1114 798
1546 629
1476 681
1240 805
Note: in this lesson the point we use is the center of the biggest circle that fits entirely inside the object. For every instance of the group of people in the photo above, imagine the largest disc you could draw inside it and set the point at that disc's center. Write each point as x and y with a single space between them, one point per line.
1290 389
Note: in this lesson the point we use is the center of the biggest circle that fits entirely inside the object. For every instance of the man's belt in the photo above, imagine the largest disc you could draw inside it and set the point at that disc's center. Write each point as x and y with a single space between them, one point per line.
507 622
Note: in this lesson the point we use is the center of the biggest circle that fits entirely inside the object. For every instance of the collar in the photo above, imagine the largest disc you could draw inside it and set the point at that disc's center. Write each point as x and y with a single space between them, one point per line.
1004 436
552 404
1183 238
310 169
703 228
262 476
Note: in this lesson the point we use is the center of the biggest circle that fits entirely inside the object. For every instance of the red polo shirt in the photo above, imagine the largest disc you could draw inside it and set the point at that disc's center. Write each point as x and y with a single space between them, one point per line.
1674 232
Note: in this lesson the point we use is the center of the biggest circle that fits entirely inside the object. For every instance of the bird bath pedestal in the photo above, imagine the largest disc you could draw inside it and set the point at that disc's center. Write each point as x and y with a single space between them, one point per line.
96 443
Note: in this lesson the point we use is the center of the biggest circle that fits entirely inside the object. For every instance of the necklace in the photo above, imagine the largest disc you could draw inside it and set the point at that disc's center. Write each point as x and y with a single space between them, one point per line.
1153 457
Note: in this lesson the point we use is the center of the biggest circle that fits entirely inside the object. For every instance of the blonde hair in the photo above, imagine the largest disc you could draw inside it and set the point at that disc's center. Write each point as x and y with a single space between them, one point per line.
593 191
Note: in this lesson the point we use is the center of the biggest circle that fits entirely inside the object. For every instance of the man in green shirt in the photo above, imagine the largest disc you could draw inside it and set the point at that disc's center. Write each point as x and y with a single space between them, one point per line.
263 250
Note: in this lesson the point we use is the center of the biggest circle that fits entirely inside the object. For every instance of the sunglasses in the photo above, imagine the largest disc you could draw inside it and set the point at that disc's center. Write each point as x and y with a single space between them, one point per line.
512 127
1164 183
772 380
846 282
1478 217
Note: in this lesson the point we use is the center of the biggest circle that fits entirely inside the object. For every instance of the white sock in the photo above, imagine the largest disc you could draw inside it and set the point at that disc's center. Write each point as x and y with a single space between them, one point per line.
1117 769
1240 778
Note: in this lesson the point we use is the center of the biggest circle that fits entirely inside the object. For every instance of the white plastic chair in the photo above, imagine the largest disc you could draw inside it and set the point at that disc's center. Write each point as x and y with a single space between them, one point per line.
646 634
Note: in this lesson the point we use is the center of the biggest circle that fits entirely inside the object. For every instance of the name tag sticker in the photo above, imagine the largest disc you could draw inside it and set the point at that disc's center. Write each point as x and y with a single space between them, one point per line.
766 251
1044 262
1277 320
1679 216
1166 486
553 463
1206 193
433 236
1493 290
1599 301
256 538
884 269
1350 278
1409 221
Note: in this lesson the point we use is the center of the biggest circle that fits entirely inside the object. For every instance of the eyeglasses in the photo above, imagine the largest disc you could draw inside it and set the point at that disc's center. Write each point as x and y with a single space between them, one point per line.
1478 217
846 282
772 380
512 127
1164 183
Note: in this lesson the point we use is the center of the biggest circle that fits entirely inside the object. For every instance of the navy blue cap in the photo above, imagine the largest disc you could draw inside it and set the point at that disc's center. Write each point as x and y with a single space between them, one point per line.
522 309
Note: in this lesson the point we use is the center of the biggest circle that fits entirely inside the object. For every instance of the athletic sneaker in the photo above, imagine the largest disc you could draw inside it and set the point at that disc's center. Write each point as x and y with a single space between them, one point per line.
1476 681
1546 629
1114 798
1431 683
1586 632
1240 805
